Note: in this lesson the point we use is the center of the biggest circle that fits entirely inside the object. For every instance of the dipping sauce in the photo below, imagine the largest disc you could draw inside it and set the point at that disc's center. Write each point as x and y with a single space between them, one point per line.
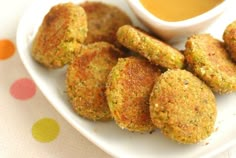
177 10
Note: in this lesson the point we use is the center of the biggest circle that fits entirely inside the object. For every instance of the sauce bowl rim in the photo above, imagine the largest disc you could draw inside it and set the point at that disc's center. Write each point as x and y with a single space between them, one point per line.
137 7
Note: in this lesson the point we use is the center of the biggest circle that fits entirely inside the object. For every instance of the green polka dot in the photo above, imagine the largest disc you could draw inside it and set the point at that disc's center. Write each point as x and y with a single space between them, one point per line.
45 130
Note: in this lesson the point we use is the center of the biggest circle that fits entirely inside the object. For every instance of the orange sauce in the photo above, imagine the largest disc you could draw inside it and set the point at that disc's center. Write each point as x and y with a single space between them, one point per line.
177 10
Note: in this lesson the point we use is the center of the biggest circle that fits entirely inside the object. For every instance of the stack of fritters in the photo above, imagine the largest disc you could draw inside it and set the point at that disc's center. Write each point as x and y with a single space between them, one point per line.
159 87
82 36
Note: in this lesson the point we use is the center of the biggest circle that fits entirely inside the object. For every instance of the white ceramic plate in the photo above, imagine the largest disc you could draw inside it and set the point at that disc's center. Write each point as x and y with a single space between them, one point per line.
108 136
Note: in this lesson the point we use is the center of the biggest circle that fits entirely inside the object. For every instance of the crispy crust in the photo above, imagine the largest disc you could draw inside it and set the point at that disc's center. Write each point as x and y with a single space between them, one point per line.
154 50
183 107
209 60
229 38
60 34
128 88
103 22
86 79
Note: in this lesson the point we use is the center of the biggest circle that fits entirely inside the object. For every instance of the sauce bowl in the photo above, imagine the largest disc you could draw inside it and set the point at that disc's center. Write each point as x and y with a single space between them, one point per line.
175 32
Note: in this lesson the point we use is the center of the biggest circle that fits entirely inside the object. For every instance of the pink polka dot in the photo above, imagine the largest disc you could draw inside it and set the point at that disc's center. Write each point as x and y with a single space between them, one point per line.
23 89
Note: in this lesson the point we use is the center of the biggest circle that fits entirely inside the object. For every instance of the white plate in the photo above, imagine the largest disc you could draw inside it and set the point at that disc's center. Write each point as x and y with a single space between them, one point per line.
108 136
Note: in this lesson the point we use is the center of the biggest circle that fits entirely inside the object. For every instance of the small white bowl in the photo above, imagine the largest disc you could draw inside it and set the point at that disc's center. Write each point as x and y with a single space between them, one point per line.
174 32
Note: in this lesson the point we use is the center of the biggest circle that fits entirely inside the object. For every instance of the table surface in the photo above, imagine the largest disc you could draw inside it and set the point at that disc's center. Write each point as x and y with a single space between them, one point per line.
30 126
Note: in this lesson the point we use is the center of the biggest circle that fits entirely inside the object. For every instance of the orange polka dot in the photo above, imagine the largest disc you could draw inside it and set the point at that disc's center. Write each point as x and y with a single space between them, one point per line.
7 49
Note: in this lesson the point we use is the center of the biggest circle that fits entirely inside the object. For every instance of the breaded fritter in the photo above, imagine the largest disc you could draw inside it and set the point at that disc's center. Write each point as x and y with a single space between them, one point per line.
183 107
104 21
86 80
60 34
129 85
209 60
229 38
153 49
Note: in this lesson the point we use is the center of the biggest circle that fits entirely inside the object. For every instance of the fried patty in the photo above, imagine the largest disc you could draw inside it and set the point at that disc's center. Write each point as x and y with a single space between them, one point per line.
86 80
58 39
209 60
128 88
153 49
229 38
183 107
104 21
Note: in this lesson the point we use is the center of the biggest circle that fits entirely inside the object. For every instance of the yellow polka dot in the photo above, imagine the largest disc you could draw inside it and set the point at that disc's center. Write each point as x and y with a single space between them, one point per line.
45 130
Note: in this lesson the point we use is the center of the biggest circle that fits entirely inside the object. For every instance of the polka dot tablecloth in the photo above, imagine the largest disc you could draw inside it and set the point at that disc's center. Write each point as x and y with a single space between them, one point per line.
30 126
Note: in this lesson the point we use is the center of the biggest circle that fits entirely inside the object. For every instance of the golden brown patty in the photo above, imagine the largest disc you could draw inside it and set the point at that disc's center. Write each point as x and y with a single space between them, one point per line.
60 34
86 79
208 59
128 88
154 50
229 37
103 22
183 107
